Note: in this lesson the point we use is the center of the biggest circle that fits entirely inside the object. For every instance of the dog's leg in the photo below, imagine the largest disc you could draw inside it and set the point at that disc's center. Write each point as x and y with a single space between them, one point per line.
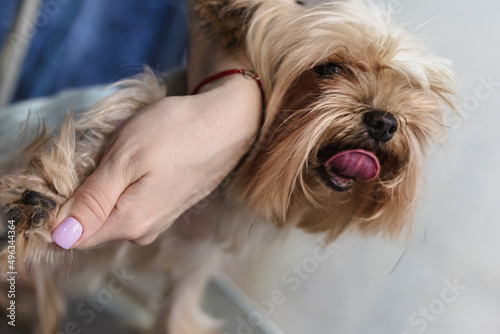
49 301
189 273
55 166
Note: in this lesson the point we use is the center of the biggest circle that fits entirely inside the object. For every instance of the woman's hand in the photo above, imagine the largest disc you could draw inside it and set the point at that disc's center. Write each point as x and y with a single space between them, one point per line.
162 161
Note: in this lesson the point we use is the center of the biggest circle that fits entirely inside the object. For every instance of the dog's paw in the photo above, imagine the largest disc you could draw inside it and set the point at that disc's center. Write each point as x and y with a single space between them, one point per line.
33 210
25 230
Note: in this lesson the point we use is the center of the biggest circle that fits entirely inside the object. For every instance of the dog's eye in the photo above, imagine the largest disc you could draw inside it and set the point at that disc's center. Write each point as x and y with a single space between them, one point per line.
329 70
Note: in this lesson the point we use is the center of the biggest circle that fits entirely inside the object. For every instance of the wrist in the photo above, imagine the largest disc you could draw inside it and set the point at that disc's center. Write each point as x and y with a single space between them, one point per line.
199 71
247 74
238 99
207 57
232 110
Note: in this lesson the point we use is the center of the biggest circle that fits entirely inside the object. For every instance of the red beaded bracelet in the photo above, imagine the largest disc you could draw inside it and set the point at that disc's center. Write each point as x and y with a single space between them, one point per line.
246 73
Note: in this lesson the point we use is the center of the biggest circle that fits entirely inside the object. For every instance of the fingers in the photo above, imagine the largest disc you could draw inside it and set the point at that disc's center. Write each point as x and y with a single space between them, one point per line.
145 240
89 207
132 218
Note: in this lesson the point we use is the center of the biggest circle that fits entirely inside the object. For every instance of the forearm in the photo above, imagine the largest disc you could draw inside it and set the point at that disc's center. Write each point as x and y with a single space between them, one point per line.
234 101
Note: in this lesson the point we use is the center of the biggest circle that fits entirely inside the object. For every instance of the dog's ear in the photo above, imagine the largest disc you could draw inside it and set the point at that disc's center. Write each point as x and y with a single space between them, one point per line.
434 76
226 20
443 84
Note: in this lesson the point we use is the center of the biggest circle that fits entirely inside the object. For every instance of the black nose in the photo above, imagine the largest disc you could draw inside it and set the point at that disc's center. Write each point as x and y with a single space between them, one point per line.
381 125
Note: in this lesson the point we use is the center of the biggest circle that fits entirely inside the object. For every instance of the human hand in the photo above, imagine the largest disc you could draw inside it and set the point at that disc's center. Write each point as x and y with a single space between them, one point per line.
160 162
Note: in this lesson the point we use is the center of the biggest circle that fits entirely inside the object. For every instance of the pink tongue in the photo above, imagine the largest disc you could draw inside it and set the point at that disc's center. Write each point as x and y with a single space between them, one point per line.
355 164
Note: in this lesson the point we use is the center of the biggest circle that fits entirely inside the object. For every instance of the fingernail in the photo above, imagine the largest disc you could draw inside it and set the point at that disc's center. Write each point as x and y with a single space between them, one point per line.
67 233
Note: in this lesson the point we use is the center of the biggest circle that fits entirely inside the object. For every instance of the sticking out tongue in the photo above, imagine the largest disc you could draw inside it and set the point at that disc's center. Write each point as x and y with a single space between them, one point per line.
346 166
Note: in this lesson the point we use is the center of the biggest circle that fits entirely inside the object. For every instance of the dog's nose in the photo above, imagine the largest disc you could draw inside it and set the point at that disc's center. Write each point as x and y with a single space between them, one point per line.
381 125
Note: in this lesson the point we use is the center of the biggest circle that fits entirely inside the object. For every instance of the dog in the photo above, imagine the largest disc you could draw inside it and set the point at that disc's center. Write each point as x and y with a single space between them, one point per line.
352 104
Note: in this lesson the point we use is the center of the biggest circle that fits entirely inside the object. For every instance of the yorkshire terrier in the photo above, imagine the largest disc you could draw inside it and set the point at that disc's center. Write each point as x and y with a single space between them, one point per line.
352 103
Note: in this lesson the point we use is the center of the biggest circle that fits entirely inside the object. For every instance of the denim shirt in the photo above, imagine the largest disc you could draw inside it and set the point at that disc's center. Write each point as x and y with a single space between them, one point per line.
87 42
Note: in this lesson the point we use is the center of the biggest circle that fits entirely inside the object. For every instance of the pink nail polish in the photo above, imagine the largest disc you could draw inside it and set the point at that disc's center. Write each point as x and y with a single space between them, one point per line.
67 233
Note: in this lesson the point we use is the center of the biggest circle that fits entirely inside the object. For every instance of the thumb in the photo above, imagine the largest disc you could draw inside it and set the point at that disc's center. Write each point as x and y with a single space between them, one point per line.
88 209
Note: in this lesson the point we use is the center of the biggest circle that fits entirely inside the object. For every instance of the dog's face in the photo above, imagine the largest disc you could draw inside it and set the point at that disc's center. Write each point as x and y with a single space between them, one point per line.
353 103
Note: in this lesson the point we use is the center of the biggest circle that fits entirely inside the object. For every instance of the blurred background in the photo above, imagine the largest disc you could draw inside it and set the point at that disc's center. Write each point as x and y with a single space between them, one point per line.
446 279
51 45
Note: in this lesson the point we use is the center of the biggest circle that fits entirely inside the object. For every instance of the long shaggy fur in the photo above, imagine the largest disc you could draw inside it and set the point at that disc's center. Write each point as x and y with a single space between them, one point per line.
387 70
308 118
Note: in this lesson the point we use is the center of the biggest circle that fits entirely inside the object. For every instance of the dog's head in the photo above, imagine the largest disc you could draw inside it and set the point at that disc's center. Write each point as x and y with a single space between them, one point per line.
352 105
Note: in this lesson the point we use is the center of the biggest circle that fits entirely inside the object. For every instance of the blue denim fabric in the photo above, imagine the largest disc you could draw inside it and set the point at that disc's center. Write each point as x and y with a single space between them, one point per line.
87 42
8 9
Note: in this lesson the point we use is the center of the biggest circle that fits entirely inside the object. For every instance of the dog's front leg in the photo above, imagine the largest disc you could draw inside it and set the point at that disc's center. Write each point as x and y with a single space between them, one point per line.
49 301
180 311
